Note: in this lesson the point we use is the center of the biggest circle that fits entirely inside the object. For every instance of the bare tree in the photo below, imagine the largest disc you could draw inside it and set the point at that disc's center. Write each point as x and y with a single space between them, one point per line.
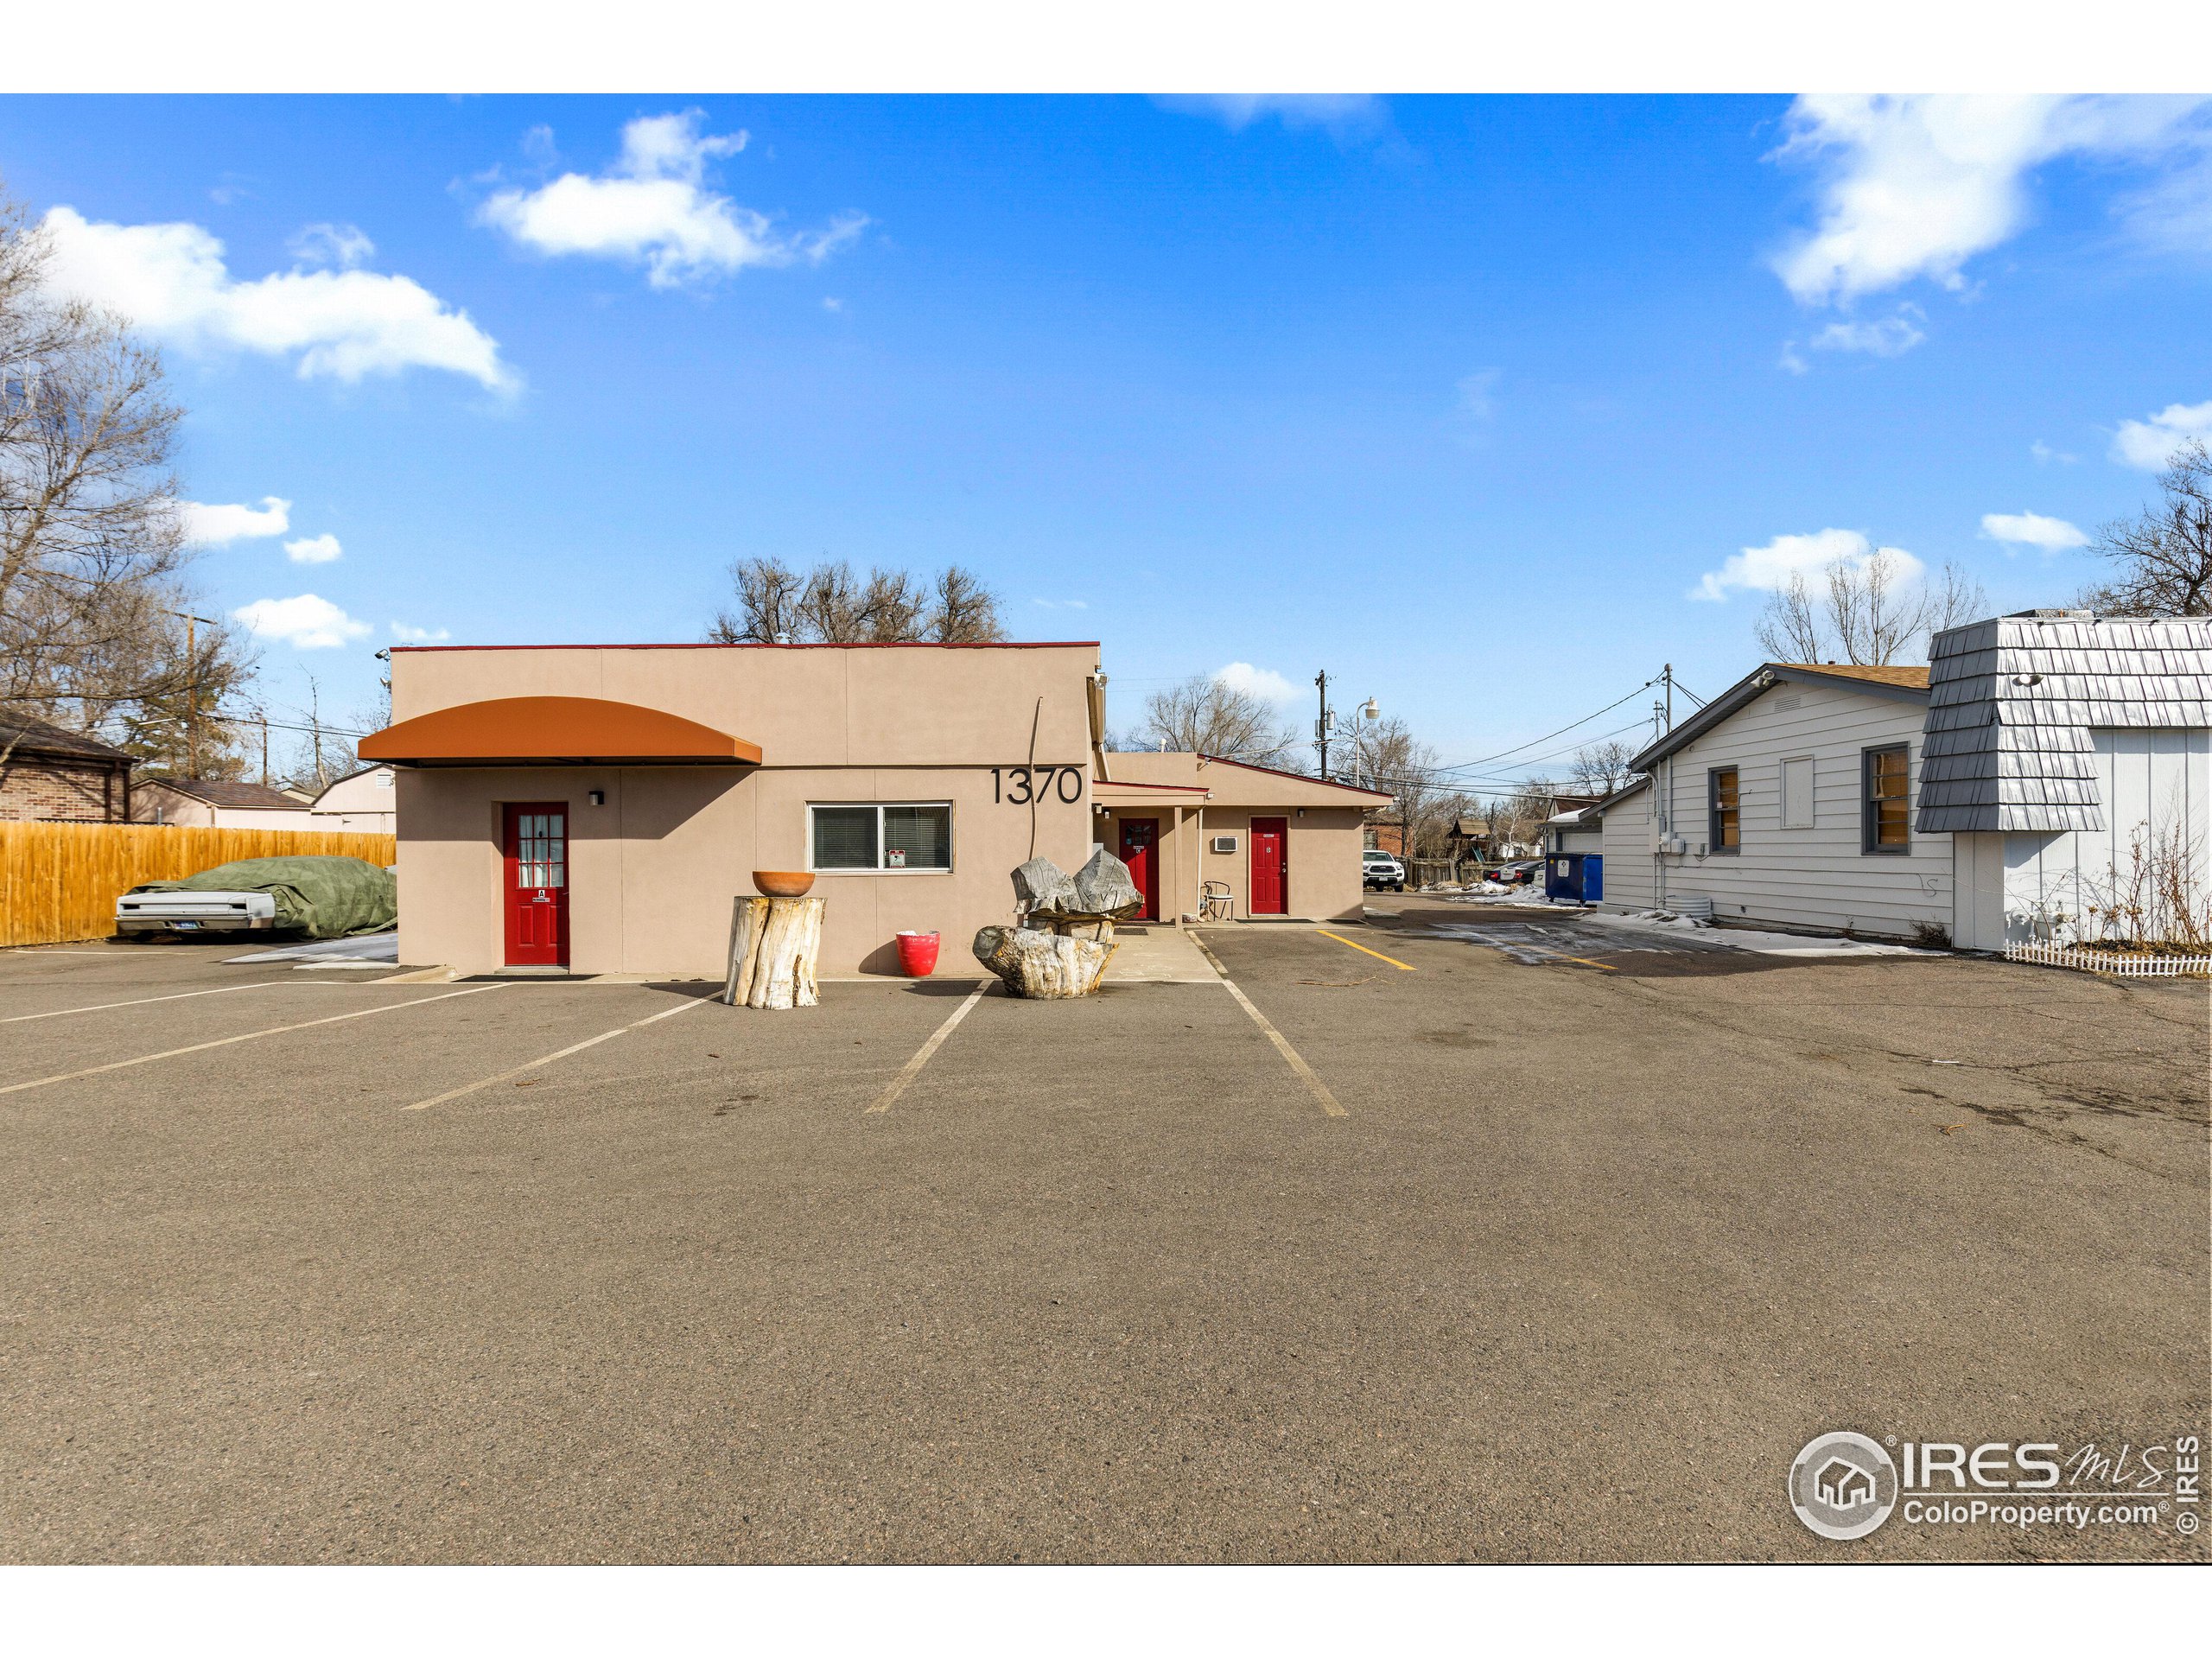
1602 767
1384 754
1865 611
963 611
767 604
2163 554
1206 715
93 559
1516 820
830 604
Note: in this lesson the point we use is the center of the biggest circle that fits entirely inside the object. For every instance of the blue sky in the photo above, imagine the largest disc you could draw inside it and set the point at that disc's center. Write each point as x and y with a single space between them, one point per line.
1461 399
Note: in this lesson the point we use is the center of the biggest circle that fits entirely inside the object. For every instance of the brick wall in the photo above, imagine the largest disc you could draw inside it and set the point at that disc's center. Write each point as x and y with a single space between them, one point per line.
38 788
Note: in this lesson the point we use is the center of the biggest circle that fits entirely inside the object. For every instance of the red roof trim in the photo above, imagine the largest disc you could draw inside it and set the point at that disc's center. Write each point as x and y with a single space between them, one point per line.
1300 777
752 644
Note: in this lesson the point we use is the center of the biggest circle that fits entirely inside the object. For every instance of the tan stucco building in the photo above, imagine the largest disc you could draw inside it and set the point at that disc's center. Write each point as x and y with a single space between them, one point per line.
597 808
1271 844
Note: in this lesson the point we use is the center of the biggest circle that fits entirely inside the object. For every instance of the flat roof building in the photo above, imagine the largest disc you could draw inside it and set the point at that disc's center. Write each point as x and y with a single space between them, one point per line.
597 808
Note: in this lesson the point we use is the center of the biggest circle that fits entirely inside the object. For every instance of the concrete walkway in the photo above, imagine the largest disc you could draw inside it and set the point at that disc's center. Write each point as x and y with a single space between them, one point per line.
1159 956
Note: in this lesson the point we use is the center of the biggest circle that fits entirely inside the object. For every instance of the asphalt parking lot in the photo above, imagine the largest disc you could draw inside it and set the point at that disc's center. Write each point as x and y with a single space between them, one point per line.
568 1271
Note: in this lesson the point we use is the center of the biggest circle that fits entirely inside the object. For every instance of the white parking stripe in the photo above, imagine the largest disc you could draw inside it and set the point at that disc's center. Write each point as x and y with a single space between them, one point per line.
557 1054
912 1069
174 996
1330 1108
243 1036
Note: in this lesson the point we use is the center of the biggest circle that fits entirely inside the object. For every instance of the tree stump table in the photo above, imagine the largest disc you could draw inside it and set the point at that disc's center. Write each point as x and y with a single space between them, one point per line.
773 944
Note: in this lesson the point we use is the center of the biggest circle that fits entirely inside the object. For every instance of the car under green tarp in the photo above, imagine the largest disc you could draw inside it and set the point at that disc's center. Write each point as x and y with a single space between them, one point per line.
323 898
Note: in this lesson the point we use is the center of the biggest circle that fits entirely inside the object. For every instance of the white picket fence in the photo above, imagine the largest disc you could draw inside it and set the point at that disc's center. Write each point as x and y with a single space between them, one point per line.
2125 964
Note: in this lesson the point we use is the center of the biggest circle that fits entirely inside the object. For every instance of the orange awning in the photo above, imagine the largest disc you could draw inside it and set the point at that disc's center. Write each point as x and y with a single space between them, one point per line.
555 731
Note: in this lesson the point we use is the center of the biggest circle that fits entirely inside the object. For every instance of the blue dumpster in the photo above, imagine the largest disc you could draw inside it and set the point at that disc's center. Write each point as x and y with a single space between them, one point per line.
1577 876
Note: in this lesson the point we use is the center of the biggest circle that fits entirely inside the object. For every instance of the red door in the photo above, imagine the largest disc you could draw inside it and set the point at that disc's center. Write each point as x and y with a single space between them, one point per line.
538 884
1270 866
1139 850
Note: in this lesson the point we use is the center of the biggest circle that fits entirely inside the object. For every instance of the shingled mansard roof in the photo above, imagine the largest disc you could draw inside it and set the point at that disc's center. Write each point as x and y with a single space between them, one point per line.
2013 700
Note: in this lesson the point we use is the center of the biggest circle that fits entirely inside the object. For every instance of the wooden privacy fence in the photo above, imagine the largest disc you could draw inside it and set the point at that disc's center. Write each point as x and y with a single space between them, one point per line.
60 881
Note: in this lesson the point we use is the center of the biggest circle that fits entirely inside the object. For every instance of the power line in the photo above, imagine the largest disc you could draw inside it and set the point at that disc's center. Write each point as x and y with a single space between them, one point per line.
1501 780
1483 760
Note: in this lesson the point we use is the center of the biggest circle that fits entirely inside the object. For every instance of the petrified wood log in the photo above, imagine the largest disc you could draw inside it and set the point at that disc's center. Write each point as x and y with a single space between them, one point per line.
773 947
1035 964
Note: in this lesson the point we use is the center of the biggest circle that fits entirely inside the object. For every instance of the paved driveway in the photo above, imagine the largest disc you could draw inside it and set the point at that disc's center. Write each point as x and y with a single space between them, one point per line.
573 1272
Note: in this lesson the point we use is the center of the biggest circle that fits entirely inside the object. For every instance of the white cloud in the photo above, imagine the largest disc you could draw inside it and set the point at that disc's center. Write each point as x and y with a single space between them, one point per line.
2032 530
1343 115
1262 682
313 550
1915 187
654 209
212 526
414 636
171 281
1889 337
1063 604
1767 569
343 245
2151 444
1790 360
305 622
2045 454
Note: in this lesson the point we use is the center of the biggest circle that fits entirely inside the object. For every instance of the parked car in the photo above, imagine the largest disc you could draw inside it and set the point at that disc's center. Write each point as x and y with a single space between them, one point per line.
324 897
1381 870
1519 873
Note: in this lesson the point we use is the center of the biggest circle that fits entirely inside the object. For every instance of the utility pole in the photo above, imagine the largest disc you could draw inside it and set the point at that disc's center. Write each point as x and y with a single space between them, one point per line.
191 689
1322 726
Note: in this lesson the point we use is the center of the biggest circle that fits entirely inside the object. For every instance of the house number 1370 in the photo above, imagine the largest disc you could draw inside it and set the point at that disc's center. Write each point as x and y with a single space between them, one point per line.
1020 786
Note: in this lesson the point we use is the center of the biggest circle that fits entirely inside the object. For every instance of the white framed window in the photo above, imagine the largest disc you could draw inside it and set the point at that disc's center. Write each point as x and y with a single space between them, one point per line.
1798 792
880 836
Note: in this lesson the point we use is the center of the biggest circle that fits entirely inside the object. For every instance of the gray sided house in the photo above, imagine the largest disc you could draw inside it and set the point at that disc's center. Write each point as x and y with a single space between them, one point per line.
1786 802
2065 753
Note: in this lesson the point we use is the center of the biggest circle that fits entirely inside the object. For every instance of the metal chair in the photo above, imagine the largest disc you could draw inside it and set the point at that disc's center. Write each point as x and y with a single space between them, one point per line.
1215 902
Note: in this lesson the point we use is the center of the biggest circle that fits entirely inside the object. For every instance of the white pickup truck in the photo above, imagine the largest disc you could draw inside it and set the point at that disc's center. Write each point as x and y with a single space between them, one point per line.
193 912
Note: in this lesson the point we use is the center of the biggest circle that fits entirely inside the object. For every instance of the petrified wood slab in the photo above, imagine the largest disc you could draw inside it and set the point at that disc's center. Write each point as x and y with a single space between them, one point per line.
773 947
1035 964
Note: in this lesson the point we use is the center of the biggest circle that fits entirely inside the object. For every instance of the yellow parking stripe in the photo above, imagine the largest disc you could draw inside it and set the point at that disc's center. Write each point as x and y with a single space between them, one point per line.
1356 945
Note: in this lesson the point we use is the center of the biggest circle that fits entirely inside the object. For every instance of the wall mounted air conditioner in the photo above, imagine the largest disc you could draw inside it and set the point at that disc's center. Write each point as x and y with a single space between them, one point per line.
1224 843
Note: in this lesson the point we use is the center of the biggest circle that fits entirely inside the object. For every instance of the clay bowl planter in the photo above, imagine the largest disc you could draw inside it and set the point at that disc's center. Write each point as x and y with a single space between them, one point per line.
783 884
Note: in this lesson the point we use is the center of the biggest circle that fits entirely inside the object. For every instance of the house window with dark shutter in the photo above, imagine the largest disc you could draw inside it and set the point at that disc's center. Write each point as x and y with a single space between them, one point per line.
1887 824
1725 832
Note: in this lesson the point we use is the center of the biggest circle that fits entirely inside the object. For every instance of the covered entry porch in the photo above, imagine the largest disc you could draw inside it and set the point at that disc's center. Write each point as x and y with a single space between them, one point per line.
1218 840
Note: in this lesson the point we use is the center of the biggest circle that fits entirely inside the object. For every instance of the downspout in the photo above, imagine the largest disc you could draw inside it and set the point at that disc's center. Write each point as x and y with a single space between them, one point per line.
1094 705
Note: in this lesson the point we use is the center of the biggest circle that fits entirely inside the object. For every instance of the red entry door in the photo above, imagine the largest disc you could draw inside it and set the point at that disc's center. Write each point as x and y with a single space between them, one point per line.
538 884
1139 850
1270 866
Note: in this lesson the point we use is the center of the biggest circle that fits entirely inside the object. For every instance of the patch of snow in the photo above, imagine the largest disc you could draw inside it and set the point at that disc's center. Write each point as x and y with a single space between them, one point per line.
361 948
1745 939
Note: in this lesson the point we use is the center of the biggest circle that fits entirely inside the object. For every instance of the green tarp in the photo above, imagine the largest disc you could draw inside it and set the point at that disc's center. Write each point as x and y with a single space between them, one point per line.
325 898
